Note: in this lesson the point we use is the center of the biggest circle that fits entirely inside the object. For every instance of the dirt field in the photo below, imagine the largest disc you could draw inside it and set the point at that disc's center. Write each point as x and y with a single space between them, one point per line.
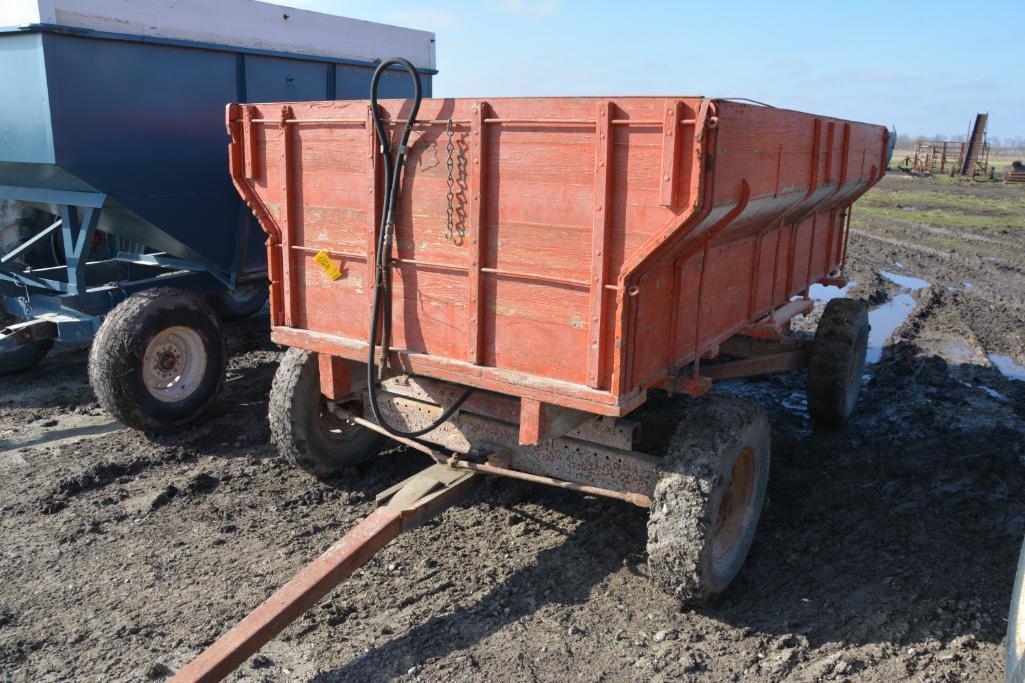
886 551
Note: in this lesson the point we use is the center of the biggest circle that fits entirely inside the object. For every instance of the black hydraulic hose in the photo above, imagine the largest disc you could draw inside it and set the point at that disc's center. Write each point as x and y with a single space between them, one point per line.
382 279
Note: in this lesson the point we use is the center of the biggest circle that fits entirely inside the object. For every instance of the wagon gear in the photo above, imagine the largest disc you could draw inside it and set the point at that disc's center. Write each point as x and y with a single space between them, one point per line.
612 244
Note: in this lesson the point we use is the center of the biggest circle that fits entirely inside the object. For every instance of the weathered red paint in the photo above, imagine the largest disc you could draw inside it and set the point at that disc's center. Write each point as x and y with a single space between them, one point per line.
601 246
335 376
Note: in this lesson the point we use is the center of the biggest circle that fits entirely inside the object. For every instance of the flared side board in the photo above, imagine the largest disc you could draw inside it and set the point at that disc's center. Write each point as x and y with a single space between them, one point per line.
573 250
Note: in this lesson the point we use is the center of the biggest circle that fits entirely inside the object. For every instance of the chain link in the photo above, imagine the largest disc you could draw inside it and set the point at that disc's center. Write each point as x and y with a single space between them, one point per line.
450 165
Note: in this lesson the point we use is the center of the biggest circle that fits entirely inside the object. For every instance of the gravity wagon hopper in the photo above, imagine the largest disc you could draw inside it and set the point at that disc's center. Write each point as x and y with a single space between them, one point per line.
501 283
118 223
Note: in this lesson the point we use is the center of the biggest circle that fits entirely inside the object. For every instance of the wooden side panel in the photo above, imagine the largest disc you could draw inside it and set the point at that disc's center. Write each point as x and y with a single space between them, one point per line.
590 243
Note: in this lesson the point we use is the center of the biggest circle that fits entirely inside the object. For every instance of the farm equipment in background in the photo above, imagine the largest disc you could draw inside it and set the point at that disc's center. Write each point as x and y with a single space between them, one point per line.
112 145
501 283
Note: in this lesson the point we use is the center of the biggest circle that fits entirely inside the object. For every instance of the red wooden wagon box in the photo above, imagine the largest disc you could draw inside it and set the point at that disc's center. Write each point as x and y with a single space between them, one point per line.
544 264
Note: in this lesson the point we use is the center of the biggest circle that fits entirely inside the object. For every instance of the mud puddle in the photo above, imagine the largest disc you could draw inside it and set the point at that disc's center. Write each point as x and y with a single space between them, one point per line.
1008 367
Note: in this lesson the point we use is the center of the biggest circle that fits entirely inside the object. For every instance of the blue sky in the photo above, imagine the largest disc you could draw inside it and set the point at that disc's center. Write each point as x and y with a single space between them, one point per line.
895 63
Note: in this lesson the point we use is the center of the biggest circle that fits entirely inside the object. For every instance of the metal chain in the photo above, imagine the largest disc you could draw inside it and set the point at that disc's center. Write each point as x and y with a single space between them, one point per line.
450 165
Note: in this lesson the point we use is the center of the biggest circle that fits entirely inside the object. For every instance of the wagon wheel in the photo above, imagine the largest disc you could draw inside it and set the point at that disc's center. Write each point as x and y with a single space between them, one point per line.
706 506
837 361
239 303
26 355
158 360
302 427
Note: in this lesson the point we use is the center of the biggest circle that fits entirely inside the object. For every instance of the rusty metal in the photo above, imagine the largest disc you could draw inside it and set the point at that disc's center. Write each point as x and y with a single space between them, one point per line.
759 365
455 462
405 507
567 458
775 325
976 156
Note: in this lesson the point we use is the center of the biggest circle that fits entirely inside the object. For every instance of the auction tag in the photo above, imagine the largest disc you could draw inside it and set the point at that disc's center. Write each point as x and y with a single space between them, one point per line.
327 265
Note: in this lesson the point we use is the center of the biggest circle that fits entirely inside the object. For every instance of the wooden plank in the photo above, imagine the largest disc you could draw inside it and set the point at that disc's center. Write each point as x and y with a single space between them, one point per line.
477 239
670 181
335 378
373 214
252 168
599 242
291 292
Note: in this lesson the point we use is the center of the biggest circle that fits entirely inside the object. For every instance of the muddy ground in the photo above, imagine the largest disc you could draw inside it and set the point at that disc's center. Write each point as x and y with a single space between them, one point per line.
886 551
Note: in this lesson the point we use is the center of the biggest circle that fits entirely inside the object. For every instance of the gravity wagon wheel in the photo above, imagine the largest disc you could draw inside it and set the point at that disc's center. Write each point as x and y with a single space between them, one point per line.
158 360
26 355
302 427
708 502
239 303
837 361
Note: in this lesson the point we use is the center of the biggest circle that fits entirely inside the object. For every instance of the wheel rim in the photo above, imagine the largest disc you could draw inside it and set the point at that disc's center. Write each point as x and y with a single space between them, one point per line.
735 505
335 428
174 364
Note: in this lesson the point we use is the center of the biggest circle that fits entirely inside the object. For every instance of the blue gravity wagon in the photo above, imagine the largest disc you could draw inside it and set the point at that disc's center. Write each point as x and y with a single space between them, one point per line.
122 221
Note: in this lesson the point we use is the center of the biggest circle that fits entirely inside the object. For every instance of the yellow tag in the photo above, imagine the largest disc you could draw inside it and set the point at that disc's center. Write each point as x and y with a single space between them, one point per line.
327 265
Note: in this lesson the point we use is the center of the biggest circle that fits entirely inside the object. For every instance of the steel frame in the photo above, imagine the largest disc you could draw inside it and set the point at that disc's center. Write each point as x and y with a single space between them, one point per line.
67 302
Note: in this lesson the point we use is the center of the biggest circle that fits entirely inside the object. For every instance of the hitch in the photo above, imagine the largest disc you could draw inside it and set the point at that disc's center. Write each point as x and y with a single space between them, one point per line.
402 507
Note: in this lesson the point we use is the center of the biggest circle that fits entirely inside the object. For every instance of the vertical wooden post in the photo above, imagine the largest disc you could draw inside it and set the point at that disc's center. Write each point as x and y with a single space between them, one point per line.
669 181
603 135
830 132
846 153
372 209
250 143
287 227
475 309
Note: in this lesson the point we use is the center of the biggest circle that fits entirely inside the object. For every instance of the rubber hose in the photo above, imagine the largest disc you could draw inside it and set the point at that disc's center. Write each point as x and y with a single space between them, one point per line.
382 279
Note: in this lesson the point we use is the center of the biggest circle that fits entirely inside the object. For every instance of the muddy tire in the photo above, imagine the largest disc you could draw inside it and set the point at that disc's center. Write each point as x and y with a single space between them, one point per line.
158 360
25 356
707 505
302 428
239 303
837 362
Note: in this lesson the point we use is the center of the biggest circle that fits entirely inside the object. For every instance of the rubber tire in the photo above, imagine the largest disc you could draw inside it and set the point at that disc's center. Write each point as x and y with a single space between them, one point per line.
682 525
25 356
837 362
115 360
1014 655
295 423
239 303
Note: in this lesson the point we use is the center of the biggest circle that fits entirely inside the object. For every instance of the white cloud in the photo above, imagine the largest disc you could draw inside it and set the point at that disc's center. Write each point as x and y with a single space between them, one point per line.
532 9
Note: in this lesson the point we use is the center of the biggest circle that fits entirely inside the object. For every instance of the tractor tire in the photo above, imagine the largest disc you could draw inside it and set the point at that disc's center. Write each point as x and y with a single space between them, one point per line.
837 362
707 505
302 428
25 356
158 360
239 303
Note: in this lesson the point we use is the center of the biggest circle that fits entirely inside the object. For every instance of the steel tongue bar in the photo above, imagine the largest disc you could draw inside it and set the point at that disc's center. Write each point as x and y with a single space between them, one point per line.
402 507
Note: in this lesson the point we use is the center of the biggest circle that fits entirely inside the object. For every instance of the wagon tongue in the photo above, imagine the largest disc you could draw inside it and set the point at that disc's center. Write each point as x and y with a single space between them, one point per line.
403 507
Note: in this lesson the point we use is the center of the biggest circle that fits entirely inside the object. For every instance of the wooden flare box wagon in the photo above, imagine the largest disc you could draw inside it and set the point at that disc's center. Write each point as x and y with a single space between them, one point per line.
562 257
